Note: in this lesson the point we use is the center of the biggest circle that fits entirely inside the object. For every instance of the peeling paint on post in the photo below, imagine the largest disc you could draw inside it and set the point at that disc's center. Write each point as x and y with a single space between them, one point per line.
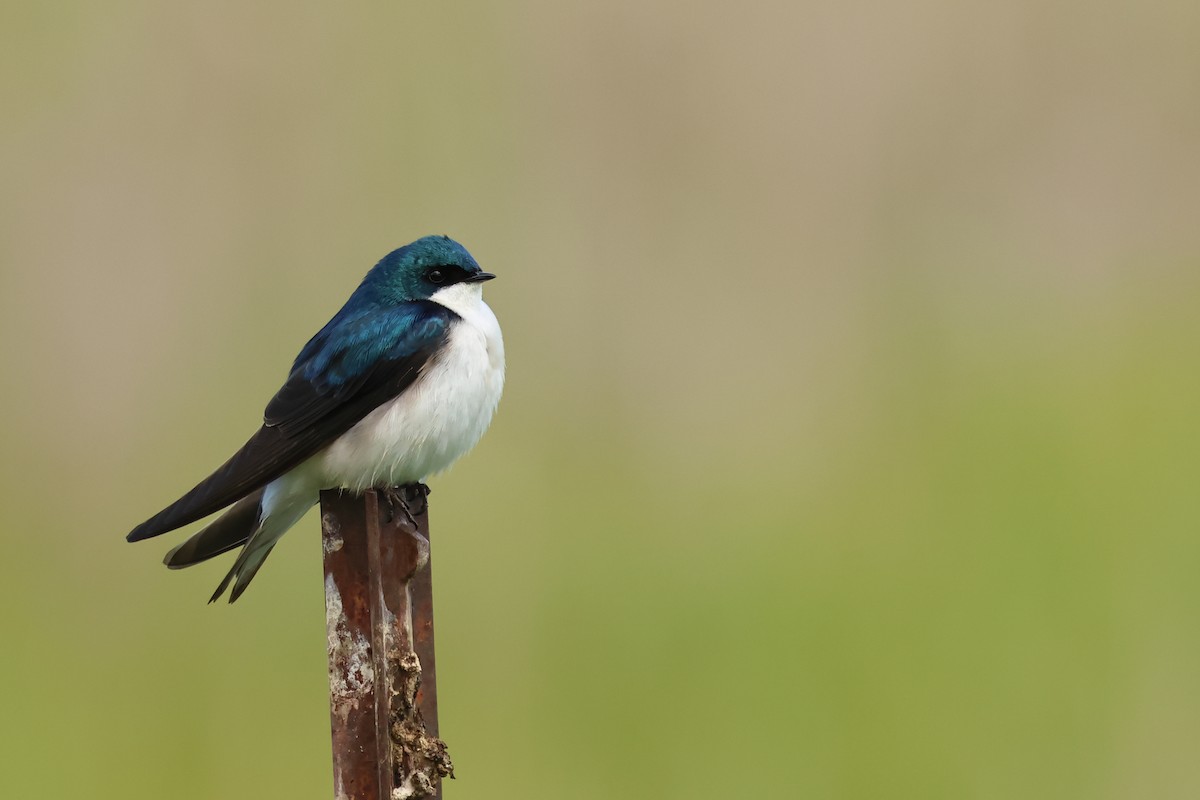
379 617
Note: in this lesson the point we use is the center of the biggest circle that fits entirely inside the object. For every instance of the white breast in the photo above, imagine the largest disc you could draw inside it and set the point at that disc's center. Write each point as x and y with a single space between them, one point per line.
434 421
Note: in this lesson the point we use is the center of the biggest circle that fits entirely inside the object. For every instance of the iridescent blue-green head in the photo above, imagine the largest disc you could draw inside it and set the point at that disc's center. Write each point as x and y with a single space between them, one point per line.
422 269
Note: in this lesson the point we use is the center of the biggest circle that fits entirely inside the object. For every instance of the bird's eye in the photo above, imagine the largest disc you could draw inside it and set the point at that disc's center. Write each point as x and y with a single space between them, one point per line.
436 276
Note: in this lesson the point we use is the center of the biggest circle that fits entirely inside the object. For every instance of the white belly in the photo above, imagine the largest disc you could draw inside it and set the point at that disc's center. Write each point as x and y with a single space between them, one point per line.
432 423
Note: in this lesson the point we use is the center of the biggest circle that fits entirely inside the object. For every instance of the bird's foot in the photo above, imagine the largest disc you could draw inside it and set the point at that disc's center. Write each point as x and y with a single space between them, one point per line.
411 499
417 495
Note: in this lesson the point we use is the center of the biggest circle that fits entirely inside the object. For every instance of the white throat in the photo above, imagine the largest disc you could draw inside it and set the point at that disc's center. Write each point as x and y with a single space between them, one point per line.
463 299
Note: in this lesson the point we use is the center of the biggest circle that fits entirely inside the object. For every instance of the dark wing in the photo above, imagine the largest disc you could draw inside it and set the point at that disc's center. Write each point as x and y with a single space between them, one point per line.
354 365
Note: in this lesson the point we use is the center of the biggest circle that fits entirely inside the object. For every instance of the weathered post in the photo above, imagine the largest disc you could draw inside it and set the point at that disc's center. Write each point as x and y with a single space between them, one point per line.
379 616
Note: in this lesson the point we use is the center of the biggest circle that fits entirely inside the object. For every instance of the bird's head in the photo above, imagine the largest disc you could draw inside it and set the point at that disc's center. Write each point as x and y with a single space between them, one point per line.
432 268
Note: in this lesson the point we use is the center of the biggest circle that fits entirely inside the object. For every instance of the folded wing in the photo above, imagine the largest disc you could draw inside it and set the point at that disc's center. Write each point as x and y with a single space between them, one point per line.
358 362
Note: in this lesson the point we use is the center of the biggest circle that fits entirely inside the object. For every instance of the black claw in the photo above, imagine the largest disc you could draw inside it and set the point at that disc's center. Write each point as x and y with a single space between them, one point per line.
410 499
394 499
416 498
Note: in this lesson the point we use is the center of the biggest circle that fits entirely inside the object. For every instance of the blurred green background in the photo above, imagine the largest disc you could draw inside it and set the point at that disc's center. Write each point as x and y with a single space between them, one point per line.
851 435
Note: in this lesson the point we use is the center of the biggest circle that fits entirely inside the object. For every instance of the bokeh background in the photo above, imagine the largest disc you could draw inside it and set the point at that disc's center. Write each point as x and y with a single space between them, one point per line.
850 444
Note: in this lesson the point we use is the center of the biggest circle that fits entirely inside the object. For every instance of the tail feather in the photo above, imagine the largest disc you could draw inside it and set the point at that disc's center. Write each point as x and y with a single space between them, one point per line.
232 529
244 569
270 523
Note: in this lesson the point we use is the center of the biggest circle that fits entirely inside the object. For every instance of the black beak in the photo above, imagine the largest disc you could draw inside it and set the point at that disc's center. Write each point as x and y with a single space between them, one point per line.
479 277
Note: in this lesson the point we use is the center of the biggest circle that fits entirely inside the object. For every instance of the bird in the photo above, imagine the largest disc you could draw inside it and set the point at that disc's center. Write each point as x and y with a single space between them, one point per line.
397 386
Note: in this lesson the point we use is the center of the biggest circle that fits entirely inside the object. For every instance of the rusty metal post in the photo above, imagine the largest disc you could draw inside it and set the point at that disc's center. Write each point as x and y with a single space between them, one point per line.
379 617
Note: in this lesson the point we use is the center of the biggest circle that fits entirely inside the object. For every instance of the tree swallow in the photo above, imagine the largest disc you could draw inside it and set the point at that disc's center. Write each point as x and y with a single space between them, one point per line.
396 387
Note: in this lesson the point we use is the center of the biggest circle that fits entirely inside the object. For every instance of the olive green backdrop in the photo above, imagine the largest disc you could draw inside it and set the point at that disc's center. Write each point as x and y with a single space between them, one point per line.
851 440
